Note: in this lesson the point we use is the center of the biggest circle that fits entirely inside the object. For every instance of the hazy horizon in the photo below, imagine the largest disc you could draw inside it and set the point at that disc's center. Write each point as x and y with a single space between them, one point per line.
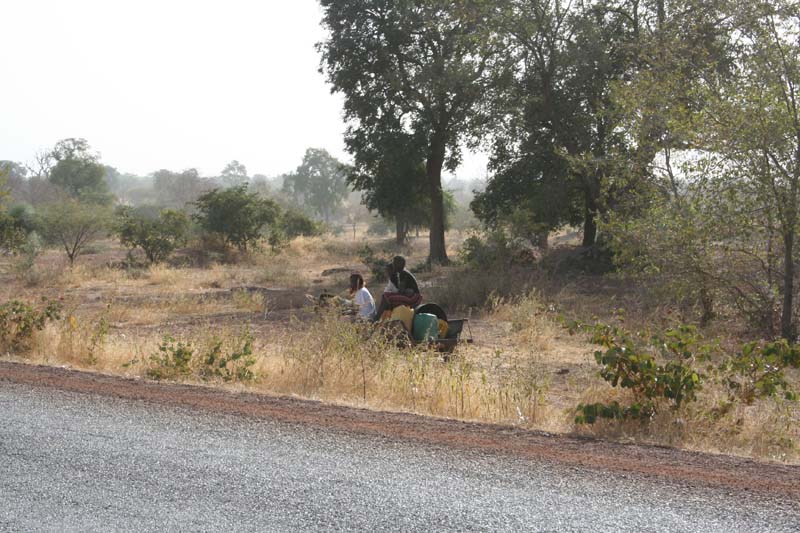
179 85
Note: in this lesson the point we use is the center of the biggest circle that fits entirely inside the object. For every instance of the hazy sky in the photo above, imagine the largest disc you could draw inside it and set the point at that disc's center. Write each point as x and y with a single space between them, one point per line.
169 84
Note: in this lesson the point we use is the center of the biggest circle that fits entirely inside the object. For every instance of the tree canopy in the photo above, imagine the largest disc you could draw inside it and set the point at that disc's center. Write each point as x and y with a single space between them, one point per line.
428 66
318 183
157 236
236 215
234 174
72 225
79 173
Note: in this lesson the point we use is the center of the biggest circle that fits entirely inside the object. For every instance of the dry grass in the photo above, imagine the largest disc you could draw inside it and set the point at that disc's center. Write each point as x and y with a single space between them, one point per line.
524 369
339 361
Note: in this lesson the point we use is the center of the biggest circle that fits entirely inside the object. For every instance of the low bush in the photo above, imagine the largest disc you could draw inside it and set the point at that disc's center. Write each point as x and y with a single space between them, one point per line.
758 371
234 364
632 365
172 360
294 224
83 339
19 320
466 288
379 227
377 264
495 250
156 235
630 362
230 360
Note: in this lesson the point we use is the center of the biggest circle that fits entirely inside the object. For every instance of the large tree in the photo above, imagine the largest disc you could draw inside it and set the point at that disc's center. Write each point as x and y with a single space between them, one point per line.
432 63
723 226
78 172
390 171
751 126
554 150
318 183
72 225
176 189
234 174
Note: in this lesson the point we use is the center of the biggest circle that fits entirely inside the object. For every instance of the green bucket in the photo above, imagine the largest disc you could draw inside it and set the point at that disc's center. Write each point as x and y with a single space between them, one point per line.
426 327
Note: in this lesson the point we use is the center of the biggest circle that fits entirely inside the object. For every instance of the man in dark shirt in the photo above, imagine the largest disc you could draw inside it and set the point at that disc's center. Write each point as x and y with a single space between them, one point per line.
406 286
404 280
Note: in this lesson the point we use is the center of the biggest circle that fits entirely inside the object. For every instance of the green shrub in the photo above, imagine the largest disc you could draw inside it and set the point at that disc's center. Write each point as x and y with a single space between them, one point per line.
178 359
626 364
233 365
12 235
236 215
494 250
157 236
19 320
293 224
277 240
379 227
758 371
172 360
376 264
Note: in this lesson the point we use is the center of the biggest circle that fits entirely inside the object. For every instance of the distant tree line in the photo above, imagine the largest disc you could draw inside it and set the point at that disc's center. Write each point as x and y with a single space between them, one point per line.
67 198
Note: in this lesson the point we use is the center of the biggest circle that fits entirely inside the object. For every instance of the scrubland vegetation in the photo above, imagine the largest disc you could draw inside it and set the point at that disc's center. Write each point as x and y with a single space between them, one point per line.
248 325
628 267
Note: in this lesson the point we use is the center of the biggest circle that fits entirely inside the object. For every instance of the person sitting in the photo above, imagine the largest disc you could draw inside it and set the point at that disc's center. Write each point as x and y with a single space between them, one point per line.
406 288
361 297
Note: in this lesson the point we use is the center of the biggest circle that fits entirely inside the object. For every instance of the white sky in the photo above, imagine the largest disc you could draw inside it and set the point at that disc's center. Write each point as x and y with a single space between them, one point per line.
170 84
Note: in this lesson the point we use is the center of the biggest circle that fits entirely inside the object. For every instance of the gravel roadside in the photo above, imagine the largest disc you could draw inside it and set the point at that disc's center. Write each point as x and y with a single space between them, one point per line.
79 459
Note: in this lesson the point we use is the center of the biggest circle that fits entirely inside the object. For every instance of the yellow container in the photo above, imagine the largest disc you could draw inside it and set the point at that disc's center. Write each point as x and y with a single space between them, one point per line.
405 315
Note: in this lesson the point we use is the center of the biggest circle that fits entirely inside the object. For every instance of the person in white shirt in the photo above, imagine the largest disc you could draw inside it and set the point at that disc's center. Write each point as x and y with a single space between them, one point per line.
361 297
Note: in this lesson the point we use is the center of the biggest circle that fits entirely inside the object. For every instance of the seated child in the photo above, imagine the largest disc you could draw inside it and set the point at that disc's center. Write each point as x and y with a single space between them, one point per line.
361 297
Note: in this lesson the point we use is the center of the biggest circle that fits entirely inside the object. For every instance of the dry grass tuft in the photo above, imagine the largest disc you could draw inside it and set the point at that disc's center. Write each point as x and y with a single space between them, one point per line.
339 361
531 325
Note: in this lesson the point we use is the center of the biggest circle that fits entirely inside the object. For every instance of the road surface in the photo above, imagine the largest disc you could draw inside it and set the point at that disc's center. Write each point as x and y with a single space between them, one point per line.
75 460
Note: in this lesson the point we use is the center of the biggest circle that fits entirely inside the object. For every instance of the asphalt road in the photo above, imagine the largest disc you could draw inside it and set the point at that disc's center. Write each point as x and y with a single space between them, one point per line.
80 462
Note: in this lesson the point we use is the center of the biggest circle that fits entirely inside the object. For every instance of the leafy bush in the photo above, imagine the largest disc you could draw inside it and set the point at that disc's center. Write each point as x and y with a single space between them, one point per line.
156 236
12 234
178 359
293 224
72 225
379 227
758 371
172 360
24 217
626 364
25 264
233 365
494 250
277 240
235 215
19 320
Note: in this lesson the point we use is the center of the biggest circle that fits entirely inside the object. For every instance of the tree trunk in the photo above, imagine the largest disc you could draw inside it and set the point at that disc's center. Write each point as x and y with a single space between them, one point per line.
589 217
707 305
433 167
787 324
542 239
401 232
589 228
